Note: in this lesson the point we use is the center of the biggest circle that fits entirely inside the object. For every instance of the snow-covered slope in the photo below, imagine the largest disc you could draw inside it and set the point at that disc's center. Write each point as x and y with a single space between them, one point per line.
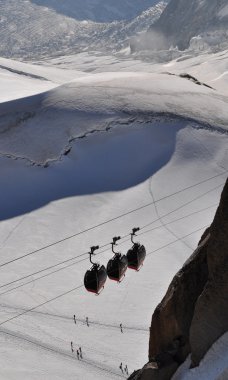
213 367
19 80
35 31
172 159
96 102
150 166
98 10
209 68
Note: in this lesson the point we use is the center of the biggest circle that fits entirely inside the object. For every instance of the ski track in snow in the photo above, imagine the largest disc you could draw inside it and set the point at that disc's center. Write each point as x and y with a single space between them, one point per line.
150 148
56 351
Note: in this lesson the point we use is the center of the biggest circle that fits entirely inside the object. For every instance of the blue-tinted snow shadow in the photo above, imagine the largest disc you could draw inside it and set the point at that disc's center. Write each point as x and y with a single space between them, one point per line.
109 161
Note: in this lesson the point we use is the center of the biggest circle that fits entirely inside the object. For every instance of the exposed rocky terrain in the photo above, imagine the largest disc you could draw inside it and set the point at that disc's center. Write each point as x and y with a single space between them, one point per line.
191 18
194 312
205 21
36 31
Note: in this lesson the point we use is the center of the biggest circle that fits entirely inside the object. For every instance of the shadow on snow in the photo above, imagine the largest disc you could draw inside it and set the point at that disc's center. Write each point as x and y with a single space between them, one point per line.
104 162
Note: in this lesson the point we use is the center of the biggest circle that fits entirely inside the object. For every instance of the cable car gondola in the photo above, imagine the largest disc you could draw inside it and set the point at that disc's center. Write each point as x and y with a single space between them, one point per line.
117 266
136 255
96 276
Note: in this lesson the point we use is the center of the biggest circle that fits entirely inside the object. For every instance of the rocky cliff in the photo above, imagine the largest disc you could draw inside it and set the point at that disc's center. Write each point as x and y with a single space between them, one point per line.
183 19
194 312
210 319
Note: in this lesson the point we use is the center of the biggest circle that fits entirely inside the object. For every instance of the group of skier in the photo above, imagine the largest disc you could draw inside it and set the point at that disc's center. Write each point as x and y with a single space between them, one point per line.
123 369
78 351
87 320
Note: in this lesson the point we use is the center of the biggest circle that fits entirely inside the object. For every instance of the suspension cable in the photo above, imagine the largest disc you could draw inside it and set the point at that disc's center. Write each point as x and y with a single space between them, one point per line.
83 254
81 286
106 222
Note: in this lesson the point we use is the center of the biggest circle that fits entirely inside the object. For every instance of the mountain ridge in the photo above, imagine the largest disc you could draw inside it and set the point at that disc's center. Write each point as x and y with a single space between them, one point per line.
191 19
36 32
98 10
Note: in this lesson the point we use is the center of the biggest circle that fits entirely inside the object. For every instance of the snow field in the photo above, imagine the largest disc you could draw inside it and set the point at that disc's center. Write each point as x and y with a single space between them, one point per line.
96 103
161 173
213 366
130 302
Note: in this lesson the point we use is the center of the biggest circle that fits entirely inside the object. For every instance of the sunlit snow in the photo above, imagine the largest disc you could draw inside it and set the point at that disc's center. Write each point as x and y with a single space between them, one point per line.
90 143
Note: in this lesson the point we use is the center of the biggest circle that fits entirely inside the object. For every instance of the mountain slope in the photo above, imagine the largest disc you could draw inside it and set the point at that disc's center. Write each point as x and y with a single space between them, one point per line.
176 168
167 167
98 10
94 103
183 19
36 31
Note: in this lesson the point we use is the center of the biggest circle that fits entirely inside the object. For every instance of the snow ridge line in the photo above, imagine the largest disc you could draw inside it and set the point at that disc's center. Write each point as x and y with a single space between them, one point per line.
24 73
134 116
206 149
66 150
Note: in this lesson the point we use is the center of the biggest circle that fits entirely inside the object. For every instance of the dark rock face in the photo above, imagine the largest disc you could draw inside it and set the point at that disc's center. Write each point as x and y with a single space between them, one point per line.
150 371
194 312
210 318
174 314
184 19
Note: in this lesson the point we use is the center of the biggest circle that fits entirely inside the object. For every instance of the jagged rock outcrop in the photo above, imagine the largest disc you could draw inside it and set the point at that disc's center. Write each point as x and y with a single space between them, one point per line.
194 312
174 314
184 19
210 318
